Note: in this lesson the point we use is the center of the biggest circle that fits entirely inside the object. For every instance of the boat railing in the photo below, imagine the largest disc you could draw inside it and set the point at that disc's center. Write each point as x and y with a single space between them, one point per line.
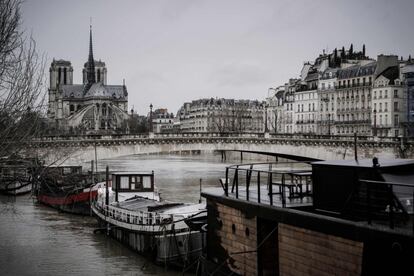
140 218
273 183
388 202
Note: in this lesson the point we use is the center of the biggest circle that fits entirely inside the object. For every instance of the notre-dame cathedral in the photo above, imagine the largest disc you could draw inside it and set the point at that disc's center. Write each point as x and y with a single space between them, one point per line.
91 107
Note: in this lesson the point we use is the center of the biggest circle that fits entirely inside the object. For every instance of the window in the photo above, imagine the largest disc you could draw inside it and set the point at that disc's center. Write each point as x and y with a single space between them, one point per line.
136 183
396 106
146 182
64 75
395 93
124 182
396 120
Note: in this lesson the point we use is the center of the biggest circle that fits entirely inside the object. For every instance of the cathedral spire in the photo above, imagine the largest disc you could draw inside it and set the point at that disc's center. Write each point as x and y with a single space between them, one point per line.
91 62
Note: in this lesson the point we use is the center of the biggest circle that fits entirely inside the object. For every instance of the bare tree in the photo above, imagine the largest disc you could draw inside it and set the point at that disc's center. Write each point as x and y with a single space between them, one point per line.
21 82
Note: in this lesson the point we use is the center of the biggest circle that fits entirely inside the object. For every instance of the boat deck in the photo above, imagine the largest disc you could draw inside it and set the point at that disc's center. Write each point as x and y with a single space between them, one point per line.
140 204
265 197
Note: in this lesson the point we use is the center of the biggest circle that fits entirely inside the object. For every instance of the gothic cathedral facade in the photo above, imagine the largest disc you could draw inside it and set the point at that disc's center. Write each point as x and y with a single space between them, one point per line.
91 107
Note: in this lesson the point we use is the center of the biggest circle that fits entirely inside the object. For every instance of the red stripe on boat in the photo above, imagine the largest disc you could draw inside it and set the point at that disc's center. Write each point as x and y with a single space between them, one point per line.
65 200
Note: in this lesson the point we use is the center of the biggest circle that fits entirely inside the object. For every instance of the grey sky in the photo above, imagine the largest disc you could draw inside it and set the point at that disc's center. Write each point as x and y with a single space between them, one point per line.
174 51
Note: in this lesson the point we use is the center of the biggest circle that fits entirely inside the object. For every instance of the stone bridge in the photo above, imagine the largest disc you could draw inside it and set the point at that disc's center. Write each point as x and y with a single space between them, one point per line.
77 149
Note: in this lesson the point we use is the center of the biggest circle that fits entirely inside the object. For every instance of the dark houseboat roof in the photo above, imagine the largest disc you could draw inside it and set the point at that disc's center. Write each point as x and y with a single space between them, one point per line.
366 163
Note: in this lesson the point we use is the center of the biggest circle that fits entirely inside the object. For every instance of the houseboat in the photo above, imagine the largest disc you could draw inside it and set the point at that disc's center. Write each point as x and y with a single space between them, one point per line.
347 217
16 176
67 188
129 209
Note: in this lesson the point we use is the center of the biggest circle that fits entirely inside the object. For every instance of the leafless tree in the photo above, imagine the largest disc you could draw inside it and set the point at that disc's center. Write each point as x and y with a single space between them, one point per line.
21 81
276 121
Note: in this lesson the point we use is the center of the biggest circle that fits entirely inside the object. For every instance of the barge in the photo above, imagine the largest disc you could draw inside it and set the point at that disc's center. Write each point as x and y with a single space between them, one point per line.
16 176
67 189
130 210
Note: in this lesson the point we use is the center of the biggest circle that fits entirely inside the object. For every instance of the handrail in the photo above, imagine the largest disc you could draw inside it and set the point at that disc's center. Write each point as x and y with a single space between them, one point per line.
218 135
138 217
269 174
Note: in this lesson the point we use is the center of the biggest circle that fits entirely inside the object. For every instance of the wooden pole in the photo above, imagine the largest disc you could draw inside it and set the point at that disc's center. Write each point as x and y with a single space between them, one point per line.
107 187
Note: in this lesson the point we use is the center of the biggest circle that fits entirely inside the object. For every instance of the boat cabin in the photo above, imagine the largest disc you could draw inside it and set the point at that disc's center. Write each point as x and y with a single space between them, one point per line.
64 170
132 182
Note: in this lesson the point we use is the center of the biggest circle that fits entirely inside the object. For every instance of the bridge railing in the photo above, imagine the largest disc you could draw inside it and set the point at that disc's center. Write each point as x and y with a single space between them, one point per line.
243 135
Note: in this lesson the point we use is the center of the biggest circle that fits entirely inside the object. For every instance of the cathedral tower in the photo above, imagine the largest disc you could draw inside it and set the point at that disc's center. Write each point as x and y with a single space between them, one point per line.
61 73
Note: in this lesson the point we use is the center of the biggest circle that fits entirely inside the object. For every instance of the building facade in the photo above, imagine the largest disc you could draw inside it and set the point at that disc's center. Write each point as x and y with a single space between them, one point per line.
221 115
90 107
162 121
346 92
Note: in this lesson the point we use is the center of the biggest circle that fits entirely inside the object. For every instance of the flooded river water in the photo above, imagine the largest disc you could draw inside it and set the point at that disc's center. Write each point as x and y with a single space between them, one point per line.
38 240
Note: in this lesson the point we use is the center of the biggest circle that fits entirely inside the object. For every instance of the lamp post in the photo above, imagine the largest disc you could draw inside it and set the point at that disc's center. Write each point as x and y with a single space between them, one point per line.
265 127
326 101
329 124
375 123
150 124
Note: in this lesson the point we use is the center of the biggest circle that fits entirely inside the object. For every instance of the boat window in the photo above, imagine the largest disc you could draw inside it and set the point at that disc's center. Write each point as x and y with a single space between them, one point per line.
67 170
146 182
136 182
124 182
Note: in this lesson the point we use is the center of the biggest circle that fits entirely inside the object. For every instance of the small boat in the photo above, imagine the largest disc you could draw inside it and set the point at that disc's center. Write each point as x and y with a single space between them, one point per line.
67 188
129 209
16 176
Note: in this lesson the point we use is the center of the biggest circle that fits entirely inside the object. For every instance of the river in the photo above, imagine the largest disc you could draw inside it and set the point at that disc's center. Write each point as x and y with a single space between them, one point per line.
38 240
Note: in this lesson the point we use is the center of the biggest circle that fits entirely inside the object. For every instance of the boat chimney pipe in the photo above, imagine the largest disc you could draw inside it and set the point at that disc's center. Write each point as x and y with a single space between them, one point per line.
106 187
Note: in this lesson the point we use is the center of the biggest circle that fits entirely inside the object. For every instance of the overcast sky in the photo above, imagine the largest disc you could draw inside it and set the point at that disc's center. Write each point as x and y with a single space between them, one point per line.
174 51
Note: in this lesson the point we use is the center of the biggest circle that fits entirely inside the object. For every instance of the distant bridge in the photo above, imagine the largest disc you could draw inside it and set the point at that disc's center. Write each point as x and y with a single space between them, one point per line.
84 148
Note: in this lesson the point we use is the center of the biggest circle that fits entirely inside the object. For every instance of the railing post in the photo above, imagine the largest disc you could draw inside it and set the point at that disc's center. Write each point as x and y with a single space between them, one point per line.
226 185
270 176
282 192
236 178
258 187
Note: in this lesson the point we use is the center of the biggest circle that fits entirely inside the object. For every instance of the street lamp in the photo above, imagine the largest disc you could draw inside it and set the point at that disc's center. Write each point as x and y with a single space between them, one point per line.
326 101
375 123
265 128
150 126
329 124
